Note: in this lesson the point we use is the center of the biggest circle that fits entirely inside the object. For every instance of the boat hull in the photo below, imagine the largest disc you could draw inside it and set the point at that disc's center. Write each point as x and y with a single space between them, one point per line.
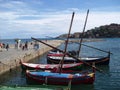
97 61
31 66
57 79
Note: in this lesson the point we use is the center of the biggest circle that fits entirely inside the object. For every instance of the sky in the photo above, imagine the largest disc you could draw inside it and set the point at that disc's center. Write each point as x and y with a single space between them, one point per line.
51 18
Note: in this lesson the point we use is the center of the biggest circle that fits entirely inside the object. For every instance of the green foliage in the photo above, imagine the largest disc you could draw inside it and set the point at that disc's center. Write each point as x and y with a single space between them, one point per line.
106 31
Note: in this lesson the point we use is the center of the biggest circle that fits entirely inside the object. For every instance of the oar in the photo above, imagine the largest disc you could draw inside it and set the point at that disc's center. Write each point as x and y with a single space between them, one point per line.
68 54
94 48
97 48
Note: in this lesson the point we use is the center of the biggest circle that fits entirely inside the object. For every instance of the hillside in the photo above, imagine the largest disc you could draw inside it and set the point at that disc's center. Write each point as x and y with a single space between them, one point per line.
106 31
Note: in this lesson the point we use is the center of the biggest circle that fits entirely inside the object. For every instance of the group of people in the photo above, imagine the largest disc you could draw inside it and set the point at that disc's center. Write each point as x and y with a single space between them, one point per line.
19 45
4 46
23 46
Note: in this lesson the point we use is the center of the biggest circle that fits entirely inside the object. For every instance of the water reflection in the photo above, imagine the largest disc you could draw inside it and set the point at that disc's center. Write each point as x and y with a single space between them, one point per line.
83 87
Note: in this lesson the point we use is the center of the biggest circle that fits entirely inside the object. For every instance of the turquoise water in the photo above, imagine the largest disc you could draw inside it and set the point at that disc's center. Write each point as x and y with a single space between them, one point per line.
110 80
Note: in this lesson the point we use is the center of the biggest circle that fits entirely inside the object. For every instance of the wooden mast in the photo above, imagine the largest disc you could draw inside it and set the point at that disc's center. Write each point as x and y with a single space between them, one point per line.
66 42
83 33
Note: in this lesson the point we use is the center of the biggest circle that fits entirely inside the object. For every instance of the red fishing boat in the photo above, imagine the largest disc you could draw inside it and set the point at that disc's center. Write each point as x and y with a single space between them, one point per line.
52 78
31 66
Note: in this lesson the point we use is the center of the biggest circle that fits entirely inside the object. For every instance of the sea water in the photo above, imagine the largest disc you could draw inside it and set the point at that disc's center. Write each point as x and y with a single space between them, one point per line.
109 80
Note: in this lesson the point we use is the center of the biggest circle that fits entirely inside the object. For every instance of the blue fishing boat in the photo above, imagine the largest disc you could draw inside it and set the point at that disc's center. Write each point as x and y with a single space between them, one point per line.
52 78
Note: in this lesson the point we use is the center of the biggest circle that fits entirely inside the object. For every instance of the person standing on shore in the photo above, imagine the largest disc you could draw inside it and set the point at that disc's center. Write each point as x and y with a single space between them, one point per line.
26 45
7 47
17 45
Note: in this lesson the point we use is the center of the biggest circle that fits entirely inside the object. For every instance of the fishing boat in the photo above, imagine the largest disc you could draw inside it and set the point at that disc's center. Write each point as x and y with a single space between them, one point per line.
32 66
99 60
52 78
58 53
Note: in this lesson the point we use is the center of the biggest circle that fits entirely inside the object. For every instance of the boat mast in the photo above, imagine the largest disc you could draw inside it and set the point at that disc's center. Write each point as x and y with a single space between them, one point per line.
66 43
83 33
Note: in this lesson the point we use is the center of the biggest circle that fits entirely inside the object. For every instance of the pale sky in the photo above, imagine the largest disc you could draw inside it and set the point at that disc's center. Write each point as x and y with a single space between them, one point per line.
41 18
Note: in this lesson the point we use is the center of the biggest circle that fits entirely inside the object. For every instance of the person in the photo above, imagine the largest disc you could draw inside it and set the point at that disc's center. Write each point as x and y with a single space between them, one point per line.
36 45
0 47
26 45
23 47
17 45
20 45
3 45
7 47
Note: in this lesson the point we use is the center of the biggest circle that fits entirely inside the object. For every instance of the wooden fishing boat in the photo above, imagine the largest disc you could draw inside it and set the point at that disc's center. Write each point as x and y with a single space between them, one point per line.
50 78
58 53
31 66
97 60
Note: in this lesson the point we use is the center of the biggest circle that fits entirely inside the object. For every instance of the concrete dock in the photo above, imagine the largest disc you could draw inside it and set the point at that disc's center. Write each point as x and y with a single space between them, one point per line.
10 59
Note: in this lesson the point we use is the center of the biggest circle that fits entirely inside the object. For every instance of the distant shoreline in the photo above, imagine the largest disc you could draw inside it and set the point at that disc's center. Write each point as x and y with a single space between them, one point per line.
86 40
